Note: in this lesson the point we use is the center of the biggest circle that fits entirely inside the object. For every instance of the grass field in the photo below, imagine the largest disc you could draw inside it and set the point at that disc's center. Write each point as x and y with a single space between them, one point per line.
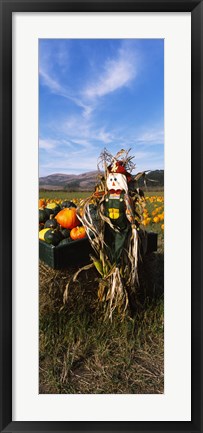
66 195
63 195
79 352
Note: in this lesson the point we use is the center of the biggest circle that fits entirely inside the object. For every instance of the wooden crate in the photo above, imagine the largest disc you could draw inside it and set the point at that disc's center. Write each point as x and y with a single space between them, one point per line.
78 252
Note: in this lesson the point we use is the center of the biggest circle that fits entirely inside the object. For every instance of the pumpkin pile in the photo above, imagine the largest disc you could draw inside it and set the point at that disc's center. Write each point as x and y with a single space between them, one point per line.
58 223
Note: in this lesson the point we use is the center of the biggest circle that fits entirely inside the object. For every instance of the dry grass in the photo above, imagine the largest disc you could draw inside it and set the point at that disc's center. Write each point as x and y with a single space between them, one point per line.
80 353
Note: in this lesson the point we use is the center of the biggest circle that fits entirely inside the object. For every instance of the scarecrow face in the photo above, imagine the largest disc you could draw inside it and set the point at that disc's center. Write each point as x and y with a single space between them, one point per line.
117 181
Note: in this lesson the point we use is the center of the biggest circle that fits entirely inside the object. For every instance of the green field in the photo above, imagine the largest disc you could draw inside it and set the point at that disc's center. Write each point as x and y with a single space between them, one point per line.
80 353
64 195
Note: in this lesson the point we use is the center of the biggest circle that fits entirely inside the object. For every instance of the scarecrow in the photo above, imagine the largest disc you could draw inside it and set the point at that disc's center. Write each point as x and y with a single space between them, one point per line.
111 219
118 209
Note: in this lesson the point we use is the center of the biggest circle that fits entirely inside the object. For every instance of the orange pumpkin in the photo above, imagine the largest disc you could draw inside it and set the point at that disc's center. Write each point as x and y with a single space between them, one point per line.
78 233
42 202
67 218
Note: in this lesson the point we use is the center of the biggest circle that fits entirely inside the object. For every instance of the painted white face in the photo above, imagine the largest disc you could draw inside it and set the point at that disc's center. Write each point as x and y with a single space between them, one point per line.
117 181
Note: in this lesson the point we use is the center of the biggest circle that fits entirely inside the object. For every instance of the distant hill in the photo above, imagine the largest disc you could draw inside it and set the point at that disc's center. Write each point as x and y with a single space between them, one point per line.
154 179
87 181
69 182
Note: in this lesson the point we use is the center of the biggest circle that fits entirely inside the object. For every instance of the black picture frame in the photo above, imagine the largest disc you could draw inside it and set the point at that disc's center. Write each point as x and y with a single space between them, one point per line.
7 7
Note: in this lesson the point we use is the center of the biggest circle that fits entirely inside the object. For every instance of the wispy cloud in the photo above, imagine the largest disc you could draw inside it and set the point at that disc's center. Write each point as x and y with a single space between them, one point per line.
104 136
54 54
55 148
59 57
82 161
47 144
63 56
89 135
85 132
56 88
151 136
116 73
48 81
84 110
79 162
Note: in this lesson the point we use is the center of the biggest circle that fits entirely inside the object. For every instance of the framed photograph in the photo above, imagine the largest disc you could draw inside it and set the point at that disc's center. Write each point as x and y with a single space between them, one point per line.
101 137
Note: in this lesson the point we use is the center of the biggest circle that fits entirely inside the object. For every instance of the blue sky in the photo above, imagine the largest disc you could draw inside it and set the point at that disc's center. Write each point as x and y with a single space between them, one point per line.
96 94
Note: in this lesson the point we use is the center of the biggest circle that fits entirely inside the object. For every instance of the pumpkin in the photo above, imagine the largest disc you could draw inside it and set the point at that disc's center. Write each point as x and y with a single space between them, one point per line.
51 223
67 203
65 233
42 216
156 219
42 202
48 212
67 218
42 234
78 233
53 207
57 209
52 237
65 242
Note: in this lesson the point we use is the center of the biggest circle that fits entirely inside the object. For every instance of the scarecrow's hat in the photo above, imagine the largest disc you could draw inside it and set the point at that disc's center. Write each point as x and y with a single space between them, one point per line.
119 167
